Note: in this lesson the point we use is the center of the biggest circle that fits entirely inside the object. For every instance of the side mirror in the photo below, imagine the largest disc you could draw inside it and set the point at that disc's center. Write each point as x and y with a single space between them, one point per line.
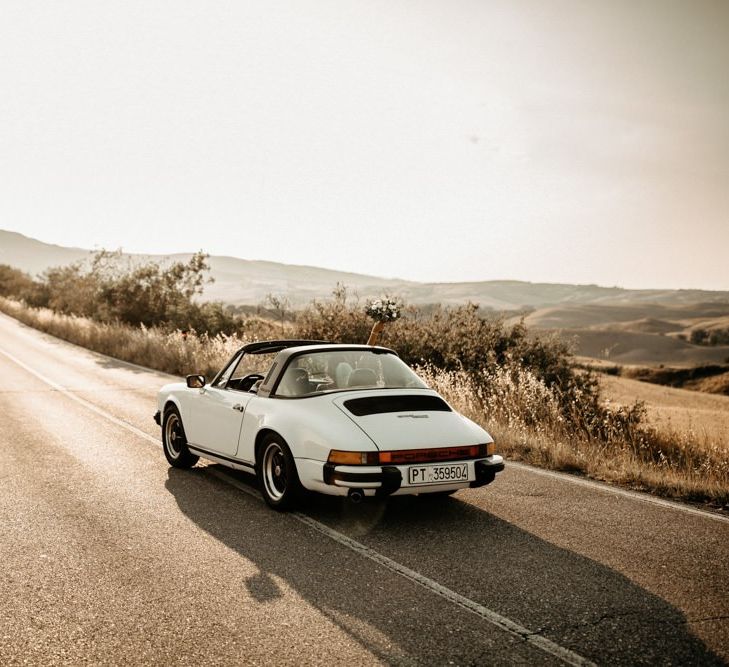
195 381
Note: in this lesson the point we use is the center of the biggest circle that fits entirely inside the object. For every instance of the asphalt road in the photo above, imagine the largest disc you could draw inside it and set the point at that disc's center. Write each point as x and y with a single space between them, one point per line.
110 556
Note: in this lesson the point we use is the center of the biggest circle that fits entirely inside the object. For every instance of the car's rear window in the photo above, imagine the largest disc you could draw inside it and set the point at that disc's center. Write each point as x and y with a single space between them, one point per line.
373 405
338 370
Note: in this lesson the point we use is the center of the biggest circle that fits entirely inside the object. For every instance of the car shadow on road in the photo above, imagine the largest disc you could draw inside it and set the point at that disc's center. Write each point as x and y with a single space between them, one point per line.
572 600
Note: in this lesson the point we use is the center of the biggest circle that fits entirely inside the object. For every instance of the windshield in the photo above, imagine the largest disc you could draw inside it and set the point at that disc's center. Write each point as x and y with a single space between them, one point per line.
337 370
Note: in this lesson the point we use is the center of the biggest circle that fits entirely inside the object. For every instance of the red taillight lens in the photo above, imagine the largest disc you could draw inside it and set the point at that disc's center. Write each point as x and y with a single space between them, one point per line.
406 456
427 455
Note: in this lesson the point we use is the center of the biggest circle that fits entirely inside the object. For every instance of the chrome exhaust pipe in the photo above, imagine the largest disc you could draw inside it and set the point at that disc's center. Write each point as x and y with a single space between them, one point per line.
356 496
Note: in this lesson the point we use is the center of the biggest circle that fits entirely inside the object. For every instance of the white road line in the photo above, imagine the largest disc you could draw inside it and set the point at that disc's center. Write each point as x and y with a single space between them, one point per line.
616 490
502 622
572 479
74 397
566 477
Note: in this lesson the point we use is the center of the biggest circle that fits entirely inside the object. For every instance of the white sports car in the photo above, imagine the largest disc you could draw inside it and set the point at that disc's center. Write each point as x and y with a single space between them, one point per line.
337 419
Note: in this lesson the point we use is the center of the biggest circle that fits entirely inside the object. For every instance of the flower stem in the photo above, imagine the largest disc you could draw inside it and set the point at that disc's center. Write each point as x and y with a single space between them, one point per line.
377 328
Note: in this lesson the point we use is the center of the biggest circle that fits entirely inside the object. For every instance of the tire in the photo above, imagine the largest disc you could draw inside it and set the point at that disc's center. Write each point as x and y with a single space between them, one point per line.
174 442
277 475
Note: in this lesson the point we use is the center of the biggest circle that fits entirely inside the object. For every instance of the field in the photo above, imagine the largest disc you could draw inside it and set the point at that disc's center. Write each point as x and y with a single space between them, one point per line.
648 334
701 415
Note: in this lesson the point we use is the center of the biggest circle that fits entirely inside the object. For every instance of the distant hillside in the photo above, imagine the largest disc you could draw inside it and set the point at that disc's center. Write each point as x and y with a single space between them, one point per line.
625 347
639 316
638 333
33 256
236 281
243 281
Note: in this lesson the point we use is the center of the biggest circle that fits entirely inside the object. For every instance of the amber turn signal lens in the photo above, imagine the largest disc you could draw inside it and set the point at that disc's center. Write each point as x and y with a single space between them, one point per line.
490 448
352 458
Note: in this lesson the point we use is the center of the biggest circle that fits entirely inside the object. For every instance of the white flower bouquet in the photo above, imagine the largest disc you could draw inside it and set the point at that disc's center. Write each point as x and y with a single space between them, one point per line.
381 311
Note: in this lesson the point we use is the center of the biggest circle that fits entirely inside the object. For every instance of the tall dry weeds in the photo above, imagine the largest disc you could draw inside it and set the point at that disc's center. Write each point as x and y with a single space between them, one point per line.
547 418
171 352
525 418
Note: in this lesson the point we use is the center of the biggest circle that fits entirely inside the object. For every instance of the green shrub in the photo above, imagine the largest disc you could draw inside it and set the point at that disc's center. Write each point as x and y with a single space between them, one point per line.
524 389
109 289
461 339
16 284
338 320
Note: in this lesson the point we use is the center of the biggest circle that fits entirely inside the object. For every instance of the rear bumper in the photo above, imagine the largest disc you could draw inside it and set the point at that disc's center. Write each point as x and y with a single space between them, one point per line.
387 480
486 470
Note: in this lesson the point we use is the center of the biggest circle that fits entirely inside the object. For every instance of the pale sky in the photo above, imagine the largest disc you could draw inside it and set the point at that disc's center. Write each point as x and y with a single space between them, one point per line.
577 141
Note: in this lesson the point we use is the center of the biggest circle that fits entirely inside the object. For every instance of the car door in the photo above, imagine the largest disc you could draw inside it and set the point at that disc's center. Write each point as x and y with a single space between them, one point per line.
220 407
220 415
217 413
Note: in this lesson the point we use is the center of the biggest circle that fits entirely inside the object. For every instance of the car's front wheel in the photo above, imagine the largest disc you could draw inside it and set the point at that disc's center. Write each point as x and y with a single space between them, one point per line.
174 441
277 475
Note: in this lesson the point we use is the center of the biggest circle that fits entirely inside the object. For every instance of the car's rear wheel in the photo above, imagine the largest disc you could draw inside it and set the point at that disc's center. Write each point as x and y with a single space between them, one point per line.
174 441
277 475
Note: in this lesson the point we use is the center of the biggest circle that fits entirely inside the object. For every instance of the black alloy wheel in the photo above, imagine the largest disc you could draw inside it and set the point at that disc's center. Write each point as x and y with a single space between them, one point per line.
277 475
174 441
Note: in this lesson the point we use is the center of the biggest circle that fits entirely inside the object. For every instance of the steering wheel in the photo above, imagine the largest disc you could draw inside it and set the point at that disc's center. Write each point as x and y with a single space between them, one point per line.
245 383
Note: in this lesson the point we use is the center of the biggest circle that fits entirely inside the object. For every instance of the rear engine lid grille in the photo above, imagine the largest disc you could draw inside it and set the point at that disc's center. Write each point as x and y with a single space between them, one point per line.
376 405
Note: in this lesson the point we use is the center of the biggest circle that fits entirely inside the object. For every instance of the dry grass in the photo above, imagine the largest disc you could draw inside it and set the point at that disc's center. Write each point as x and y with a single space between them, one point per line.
694 414
169 352
669 456
523 417
719 384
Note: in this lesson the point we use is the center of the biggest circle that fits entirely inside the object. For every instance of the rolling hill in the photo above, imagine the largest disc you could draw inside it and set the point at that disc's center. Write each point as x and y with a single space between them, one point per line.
640 327
245 281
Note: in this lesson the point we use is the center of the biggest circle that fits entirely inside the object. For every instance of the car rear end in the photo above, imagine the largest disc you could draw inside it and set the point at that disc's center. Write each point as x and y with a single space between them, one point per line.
423 445
404 472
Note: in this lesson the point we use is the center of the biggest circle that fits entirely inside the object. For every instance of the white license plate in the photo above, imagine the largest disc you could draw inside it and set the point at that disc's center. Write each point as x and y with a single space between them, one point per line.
438 474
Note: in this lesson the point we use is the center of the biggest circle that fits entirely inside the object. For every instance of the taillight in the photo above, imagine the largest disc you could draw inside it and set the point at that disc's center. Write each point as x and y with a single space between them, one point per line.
404 456
352 458
407 456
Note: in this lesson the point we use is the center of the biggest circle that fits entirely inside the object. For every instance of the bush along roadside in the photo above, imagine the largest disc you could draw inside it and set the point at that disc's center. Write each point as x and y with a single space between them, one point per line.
524 389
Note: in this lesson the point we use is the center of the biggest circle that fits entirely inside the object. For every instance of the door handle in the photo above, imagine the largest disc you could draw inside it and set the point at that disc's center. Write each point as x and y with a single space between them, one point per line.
239 407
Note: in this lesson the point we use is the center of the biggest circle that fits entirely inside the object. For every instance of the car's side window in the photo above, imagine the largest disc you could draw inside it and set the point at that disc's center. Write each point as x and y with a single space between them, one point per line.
227 373
250 369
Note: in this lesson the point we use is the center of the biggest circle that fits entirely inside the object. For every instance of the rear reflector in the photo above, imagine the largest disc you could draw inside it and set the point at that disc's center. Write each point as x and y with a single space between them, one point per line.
428 455
406 456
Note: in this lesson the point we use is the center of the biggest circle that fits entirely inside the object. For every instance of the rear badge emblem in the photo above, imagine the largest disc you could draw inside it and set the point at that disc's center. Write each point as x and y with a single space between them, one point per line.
413 416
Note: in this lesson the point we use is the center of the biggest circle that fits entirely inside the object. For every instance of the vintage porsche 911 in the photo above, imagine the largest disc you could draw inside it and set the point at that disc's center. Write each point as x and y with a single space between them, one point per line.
332 418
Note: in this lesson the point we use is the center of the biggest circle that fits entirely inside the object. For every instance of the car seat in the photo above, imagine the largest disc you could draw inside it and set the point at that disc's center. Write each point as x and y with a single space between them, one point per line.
295 382
342 373
362 377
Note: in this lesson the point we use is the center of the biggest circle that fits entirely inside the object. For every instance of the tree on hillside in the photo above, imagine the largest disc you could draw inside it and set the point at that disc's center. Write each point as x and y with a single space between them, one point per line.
110 289
14 283
152 295
280 304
